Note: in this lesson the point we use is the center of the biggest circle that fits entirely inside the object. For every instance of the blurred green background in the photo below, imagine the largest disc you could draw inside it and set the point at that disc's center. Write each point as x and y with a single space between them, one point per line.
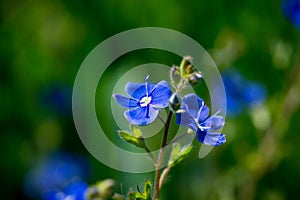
43 44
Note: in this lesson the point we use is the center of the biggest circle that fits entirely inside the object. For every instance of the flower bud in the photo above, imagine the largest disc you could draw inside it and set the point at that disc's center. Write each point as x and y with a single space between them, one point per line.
194 78
91 193
107 188
174 102
175 76
186 67
103 190
189 72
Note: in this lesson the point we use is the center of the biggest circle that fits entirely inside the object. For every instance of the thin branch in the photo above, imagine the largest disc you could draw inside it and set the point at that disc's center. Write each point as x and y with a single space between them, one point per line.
161 119
179 137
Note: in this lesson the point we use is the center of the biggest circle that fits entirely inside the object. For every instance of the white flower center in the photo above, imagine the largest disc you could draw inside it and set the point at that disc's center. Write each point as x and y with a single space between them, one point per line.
145 101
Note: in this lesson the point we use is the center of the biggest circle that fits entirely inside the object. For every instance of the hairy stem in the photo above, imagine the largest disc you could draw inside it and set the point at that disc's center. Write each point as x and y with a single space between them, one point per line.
150 155
179 137
161 156
164 176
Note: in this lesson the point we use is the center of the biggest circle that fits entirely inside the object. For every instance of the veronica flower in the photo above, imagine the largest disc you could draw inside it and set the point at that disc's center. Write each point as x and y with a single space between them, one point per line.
74 191
56 177
241 93
291 10
195 115
144 101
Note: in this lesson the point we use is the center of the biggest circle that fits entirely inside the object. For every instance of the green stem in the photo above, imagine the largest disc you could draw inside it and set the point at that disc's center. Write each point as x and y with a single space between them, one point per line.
161 156
150 155
179 137
164 176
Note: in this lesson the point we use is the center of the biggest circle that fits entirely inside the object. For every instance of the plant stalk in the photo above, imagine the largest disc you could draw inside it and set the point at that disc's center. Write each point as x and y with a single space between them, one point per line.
161 156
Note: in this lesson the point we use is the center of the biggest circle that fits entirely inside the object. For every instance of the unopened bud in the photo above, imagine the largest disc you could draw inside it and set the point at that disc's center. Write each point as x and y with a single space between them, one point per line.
174 102
92 193
194 78
186 67
189 72
106 188
175 76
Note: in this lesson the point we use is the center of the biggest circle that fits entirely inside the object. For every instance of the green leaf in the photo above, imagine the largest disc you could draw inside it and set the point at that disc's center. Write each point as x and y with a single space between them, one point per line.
147 187
137 141
136 132
179 153
175 152
131 196
137 196
145 195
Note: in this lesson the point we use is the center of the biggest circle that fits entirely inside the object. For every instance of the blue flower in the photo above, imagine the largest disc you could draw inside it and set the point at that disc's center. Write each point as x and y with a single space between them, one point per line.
145 101
57 176
291 10
241 93
195 115
75 191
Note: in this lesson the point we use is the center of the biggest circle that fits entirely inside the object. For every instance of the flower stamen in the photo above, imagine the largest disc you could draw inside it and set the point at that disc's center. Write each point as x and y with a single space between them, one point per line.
145 101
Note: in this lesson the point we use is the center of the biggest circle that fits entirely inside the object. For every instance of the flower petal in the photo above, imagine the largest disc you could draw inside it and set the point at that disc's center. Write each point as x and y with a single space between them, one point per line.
211 138
194 103
160 94
185 119
203 114
138 90
125 101
215 122
141 115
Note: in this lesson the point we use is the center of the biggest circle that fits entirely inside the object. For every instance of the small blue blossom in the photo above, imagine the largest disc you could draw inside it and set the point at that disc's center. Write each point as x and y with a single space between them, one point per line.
75 191
57 176
241 93
145 101
291 10
195 115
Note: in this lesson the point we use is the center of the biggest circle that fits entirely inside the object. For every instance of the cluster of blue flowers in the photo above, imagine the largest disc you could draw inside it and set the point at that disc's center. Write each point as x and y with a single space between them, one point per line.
143 104
58 177
241 94
74 191
145 100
